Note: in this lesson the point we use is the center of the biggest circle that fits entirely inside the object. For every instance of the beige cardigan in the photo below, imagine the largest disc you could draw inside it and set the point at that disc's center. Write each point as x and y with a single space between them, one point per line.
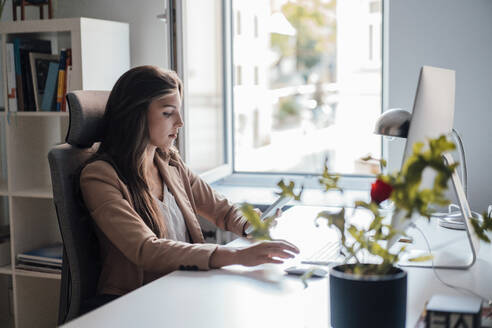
132 255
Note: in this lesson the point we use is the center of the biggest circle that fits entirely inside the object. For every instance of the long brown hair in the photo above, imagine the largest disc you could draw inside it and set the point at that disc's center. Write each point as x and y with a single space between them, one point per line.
126 134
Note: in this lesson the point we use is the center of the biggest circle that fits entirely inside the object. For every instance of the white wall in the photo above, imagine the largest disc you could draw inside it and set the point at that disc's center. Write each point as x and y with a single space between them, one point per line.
148 35
453 34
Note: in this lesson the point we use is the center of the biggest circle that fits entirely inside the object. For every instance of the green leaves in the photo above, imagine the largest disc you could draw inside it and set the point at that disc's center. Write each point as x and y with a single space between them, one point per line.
481 228
288 190
408 196
261 229
382 161
334 218
407 193
328 180
421 258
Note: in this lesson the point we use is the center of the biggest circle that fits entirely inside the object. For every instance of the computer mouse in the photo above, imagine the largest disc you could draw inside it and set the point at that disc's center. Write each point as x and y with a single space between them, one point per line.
302 269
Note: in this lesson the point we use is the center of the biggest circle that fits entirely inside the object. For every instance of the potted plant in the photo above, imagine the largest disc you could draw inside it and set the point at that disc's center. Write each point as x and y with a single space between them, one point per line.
373 294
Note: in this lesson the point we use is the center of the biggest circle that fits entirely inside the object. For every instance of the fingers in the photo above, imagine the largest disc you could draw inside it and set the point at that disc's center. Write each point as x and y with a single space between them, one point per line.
271 260
267 252
257 210
283 244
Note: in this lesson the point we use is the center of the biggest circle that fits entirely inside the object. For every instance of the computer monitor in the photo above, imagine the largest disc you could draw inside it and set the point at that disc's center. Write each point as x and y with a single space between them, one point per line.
433 109
432 116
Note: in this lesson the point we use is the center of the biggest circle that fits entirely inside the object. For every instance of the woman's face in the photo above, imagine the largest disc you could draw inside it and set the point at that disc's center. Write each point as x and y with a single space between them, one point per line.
164 120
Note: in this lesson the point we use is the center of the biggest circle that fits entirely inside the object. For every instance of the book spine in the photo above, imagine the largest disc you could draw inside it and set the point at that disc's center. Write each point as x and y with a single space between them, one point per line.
32 61
29 102
11 84
18 75
68 67
61 80
49 93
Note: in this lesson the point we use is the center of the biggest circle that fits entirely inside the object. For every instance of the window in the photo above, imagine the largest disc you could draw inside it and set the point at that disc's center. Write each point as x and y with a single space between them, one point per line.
239 75
371 46
203 77
320 92
238 23
281 99
256 26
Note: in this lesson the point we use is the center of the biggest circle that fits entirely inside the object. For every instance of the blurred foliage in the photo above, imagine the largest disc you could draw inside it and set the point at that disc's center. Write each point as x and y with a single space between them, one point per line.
288 107
481 227
287 190
315 24
409 197
407 192
261 228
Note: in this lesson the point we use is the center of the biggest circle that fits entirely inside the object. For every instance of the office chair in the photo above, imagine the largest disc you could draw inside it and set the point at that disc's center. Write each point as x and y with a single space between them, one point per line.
81 259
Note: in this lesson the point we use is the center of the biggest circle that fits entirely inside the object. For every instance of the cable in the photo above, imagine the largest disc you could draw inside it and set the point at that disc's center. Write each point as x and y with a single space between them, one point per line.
463 289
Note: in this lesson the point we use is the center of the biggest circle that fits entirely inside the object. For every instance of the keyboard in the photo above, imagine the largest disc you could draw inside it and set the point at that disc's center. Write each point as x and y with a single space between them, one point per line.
325 255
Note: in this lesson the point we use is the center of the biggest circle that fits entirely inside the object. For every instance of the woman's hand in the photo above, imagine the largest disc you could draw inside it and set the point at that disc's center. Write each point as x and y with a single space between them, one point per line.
266 252
256 254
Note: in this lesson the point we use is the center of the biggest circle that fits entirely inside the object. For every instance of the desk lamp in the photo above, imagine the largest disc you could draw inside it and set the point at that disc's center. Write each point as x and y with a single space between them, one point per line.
395 123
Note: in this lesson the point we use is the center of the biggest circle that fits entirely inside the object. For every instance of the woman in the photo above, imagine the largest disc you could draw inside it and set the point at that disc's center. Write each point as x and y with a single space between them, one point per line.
145 201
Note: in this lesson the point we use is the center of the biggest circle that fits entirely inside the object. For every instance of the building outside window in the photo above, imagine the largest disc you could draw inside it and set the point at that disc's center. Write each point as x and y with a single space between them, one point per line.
317 96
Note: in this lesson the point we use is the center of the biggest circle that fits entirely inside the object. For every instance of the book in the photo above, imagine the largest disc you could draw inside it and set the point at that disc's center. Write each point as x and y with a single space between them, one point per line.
39 268
39 68
50 87
485 317
11 84
25 89
61 80
68 87
18 75
4 232
52 253
39 261
68 74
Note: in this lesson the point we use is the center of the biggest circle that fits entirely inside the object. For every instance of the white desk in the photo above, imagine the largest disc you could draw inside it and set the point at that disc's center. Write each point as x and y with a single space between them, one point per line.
264 297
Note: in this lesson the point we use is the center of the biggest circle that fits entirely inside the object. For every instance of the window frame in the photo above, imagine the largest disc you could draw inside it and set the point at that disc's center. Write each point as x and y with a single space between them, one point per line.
177 61
226 173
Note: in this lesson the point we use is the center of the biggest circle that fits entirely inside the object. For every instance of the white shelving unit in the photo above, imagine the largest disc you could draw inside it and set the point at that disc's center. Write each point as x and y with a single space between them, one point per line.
100 54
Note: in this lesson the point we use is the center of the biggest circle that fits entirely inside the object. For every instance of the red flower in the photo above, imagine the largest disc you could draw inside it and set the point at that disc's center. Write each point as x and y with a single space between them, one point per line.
380 191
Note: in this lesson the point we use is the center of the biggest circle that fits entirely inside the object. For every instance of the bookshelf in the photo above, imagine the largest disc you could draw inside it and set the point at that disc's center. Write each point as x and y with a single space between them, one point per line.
100 54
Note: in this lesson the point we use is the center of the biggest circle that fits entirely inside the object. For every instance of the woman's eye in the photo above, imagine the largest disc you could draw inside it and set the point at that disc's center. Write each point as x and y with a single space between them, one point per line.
167 114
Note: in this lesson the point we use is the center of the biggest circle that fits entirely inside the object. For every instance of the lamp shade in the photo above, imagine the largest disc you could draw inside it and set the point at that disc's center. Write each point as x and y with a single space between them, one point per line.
393 123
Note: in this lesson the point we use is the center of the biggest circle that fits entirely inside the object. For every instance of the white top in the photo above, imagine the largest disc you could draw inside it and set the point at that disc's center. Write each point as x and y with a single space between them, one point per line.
173 218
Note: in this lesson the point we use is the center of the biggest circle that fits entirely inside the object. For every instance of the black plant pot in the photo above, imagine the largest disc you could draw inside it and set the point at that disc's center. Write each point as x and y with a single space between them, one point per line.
367 301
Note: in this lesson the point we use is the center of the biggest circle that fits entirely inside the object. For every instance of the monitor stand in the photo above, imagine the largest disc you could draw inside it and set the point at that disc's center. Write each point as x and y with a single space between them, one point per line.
452 221
443 259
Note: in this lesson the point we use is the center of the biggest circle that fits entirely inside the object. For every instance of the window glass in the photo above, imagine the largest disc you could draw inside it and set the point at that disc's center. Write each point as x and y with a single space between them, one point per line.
204 84
308 85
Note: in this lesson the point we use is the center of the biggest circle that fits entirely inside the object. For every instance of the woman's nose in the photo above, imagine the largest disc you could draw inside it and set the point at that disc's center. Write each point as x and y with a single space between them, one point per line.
180 121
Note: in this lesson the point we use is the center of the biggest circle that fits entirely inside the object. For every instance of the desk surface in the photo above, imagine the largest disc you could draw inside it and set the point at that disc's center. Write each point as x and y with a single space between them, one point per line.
264 296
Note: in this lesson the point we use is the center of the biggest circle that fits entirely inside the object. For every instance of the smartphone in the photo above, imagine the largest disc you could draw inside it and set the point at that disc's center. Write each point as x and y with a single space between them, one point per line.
279 203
